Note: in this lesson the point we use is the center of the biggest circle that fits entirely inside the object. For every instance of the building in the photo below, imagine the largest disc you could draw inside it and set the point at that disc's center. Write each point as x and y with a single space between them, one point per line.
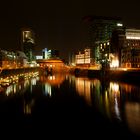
72 59
84 58
100 33
53 65
12 60
49 60
125 48
47 54
116 44
28 43
130 54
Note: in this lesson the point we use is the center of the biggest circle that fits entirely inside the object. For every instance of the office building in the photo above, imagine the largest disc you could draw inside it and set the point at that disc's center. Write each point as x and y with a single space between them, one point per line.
28 43
100 33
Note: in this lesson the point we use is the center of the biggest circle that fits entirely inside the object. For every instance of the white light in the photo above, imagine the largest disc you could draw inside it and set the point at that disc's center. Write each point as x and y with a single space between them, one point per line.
31 65
133 37
133 34
87 60
51 78
119 24
114 63
125 69
39 57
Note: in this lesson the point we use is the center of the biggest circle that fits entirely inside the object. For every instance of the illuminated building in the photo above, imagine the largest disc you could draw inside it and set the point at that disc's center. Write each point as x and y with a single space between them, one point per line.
22 60
100 33
131 50
84 58
11 60
117 43
47 54
72 59
7 59
125 48
50 61
56 65
28 43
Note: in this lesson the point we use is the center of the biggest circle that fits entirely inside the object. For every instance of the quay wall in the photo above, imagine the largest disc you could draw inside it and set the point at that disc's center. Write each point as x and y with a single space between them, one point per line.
10 72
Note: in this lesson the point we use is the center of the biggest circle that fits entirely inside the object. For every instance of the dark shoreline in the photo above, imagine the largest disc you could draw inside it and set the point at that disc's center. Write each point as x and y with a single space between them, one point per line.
129 76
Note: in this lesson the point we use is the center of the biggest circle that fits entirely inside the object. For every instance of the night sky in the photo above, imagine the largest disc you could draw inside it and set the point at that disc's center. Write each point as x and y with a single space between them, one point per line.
58 24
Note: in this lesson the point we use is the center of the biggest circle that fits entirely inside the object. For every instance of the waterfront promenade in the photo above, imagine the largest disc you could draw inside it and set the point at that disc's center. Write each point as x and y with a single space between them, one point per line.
10 72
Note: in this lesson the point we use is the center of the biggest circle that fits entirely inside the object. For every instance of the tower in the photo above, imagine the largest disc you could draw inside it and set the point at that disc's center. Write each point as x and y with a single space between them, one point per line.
28 43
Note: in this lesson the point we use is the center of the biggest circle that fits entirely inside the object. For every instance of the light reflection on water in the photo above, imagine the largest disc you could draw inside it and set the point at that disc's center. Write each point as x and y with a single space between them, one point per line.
49 81
117 101
132 115
83 89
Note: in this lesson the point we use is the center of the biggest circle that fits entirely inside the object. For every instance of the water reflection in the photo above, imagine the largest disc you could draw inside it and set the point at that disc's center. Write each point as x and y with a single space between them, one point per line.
84 86
132 114
120 102
28 105
20 86
51 81
112 99
24 83
47 89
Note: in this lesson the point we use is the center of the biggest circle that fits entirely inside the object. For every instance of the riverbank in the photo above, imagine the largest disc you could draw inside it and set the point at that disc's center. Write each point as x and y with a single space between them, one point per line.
10 72
131 76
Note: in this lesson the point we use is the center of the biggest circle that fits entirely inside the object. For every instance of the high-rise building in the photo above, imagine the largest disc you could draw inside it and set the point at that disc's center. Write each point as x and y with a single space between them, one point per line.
28 43
100 33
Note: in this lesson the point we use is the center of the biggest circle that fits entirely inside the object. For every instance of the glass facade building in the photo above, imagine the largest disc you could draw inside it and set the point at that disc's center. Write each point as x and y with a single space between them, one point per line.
100 33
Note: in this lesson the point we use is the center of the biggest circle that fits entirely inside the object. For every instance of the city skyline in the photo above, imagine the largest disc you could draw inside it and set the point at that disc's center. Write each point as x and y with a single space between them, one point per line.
59 25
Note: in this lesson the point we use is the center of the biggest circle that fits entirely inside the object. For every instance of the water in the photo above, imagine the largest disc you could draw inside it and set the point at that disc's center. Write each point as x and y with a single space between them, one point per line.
71 105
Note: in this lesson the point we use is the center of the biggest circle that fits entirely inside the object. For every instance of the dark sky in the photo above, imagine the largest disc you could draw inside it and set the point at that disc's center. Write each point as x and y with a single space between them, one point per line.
58 24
